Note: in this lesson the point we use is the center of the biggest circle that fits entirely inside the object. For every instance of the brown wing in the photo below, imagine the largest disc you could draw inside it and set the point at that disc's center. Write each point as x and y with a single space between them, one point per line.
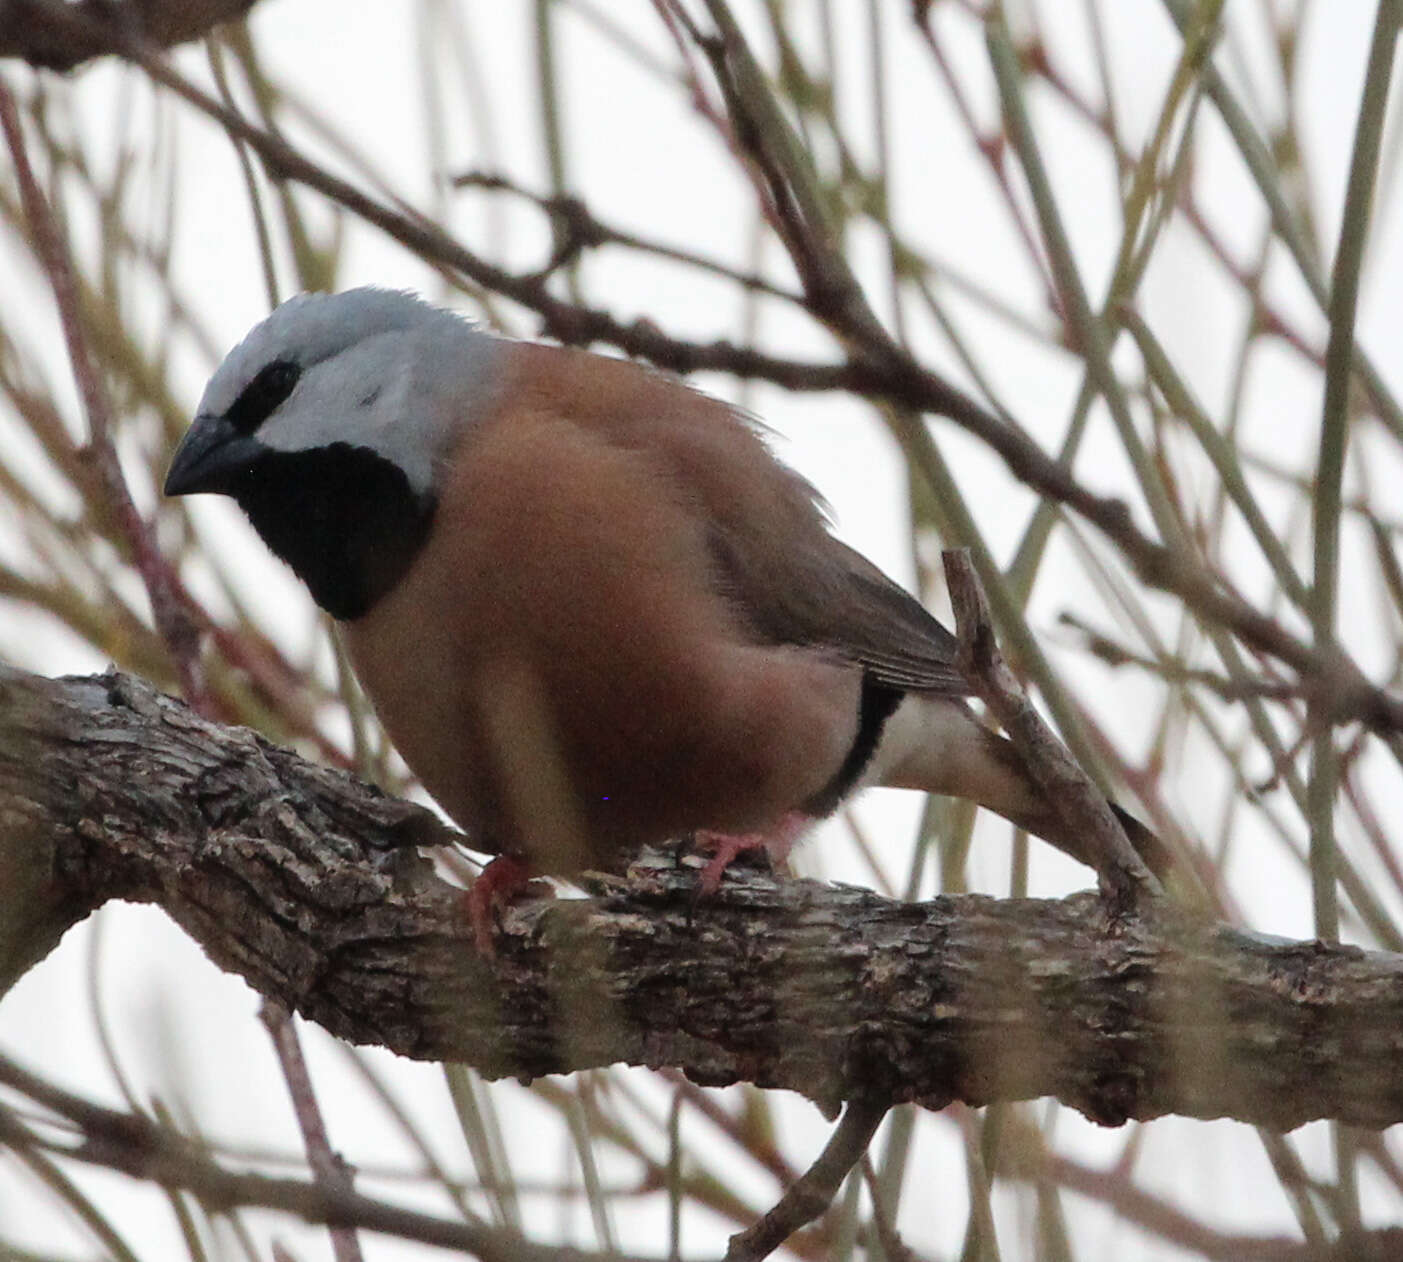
826 594
788 577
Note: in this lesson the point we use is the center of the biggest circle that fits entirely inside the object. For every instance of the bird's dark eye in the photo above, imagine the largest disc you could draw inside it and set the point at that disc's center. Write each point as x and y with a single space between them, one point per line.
261 397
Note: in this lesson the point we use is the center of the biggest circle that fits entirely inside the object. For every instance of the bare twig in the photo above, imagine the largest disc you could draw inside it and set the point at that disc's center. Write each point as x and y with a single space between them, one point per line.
168 602
582 229
134 1145
877 368
328 1167
815 1189
1123 875
883 1219
1327 505
1173 671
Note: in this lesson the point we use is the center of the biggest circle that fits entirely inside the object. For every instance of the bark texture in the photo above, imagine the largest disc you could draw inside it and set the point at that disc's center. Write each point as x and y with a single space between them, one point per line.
312 887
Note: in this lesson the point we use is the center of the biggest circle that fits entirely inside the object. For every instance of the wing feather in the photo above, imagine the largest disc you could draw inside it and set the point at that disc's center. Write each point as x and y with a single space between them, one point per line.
773 555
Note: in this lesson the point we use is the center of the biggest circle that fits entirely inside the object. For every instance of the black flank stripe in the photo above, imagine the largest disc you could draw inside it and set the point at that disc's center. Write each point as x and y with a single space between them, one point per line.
876 704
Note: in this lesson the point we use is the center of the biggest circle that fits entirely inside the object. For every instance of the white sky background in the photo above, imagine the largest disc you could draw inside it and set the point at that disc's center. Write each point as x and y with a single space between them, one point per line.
186 1032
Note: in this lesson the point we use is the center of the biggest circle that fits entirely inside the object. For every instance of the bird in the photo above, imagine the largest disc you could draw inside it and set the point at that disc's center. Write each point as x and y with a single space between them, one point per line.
591 608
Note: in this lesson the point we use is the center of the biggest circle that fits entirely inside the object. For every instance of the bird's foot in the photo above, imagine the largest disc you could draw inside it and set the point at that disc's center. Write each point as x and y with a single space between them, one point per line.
777 842
506 877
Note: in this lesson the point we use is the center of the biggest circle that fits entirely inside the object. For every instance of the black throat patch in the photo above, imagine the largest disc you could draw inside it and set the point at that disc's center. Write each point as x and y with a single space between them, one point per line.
345 518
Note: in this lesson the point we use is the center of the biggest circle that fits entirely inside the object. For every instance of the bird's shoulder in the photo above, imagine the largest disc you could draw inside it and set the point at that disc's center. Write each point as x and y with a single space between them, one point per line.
772 553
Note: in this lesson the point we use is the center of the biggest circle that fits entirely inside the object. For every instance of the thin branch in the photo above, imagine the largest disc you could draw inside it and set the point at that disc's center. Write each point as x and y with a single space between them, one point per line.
168 602
1172 671
329 1168
1323 786
814 1190
877 368
582 229
135 1146
1124 878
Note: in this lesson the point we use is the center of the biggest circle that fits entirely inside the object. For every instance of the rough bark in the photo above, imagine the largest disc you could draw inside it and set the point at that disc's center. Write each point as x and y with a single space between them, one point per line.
310 885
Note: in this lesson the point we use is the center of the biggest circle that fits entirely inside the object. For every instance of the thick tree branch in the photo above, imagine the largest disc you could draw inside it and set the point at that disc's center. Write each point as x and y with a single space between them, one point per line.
307 884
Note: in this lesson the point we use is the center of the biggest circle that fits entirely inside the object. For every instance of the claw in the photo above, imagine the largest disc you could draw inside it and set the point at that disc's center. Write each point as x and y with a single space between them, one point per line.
778 842
498 883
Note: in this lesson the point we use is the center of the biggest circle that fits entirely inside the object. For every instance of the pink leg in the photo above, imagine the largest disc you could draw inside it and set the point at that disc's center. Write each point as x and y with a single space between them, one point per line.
497 883
779 841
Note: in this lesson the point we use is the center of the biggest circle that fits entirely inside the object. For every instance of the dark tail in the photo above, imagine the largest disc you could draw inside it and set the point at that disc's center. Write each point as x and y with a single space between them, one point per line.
1157 856
1043 821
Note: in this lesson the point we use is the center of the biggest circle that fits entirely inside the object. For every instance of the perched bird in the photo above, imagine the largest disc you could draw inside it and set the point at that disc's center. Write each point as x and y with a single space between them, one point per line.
590 607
